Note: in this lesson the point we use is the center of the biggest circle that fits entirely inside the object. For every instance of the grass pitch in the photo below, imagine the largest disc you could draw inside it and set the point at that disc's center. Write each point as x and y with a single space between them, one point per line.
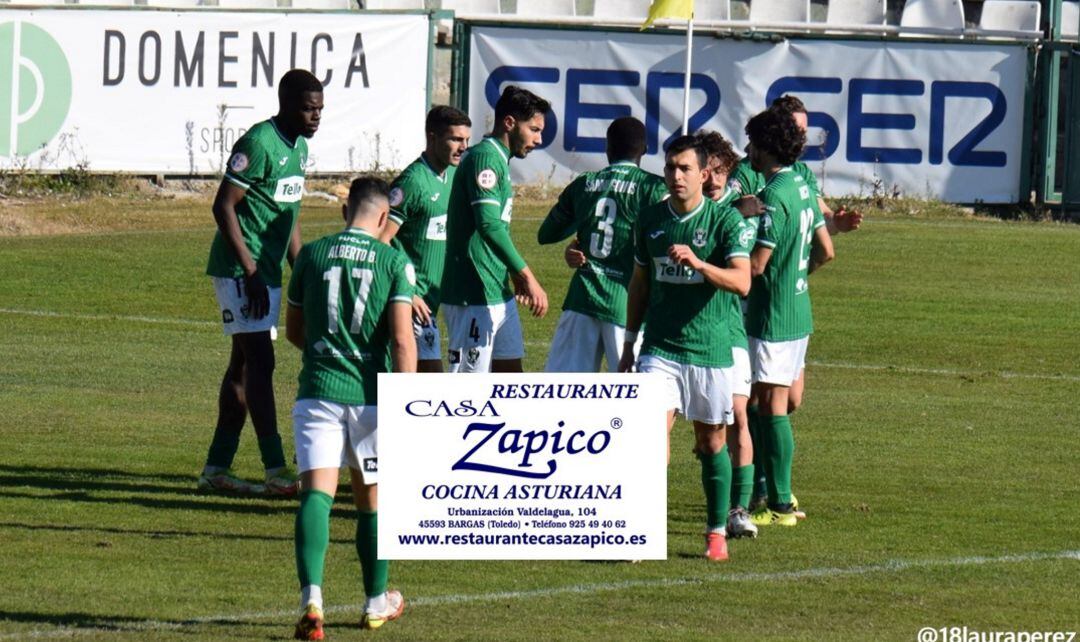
936 454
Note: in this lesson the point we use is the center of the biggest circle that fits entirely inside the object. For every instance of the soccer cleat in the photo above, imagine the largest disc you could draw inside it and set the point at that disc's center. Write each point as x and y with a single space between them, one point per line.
395 604
795 508
226 481
739 524
757 502
310 626
715 547
769 517
283 484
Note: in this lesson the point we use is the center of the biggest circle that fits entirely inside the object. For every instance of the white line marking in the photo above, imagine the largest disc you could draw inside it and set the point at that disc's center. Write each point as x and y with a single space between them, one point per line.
827 572
108 317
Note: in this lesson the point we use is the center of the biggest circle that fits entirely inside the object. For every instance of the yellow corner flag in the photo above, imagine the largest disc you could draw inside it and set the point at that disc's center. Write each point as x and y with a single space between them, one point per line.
669 9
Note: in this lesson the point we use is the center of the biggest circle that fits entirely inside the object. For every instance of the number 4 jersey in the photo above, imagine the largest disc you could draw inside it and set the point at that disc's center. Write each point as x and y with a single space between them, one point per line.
602 207
344 283
779 305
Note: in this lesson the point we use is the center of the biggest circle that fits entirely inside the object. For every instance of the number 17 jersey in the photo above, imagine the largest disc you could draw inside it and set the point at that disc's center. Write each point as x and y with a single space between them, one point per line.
604 205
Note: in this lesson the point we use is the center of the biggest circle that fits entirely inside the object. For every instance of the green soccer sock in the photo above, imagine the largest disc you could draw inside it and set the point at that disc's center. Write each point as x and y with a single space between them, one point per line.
312 536
742 485
716 480
273 456
755 420
781 451
223 448
376 571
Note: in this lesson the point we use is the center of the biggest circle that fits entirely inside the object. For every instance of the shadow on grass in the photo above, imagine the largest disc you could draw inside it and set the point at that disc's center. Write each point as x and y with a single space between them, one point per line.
156 533
121 623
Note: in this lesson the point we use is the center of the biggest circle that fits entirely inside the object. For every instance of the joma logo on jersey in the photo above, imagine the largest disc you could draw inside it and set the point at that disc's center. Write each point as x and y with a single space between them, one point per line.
289 190
510 452
668 272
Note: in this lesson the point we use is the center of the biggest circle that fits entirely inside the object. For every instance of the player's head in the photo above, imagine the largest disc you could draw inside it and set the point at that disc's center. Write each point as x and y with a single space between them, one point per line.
300 102
721 160
368 205
520 114
625 140
775 140
792 106
447 130
685 168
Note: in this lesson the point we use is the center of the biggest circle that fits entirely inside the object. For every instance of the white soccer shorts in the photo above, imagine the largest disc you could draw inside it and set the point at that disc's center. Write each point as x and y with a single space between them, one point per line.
233 302
332 435
479 334
428 341
581 342
699 393
778 362
740 374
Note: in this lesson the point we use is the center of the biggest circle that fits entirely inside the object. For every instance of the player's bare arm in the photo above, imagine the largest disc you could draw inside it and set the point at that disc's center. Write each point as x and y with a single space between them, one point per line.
840 221
528 291
573 255
822 251
637 298
402 340
734 278
225 202
294 325
759 258
389 231
295 243
750 206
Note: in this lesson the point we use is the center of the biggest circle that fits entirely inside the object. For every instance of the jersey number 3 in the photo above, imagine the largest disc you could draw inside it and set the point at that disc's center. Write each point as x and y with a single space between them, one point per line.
600 241
333 275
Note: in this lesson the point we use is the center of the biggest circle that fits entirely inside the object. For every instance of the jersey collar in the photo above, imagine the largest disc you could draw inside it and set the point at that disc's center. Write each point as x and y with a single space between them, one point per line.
783 170
283 138
504 151
441 177
359 231
682 218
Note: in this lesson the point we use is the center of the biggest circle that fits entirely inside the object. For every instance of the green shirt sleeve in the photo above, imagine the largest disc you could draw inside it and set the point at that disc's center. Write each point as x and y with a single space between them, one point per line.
249 163
641 252
404 281
739 237
560 224
296 287
744 180
487 205
772 220
402 199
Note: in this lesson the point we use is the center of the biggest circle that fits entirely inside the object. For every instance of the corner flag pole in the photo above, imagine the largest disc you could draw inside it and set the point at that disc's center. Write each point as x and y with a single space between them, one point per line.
686 80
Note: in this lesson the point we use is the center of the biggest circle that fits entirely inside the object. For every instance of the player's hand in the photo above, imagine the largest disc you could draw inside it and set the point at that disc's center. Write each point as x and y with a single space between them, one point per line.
683 255
528 292
845 220
258 296
573 255
750 206
626 361
420 311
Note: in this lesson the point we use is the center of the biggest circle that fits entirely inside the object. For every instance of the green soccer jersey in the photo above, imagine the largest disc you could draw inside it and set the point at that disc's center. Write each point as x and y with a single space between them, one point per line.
687 318
746 181
270 170
601 208
779 305
479 252
344 283
418 202
736 322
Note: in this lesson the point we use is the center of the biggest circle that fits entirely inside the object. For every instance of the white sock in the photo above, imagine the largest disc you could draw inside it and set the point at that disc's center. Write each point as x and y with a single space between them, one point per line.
311 594
719 529
376 604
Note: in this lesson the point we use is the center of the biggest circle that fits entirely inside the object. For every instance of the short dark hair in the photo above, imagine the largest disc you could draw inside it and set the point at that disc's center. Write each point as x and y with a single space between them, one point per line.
717 146
777 134
684 143
442 117
367 188
520 103
788 104
625 138
294 83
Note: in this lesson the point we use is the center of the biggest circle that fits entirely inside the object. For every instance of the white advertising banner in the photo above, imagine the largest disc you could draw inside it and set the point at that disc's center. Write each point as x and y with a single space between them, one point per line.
522 466
916 118
171 91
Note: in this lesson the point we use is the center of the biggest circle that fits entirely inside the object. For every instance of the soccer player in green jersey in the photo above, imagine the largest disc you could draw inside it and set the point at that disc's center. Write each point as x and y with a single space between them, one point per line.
256 209
419 198
792 242
599 209
688 252
350 312
721 160
481 317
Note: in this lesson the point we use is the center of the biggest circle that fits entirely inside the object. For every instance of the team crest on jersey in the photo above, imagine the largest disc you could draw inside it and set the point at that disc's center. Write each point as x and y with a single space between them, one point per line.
766 222
429 338
746 235
472 356
227 316
486 179
454 356
397 197
410 273
699 237
238 162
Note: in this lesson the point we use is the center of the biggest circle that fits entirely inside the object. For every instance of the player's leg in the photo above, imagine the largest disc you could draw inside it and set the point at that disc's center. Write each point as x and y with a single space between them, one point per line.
428 346
259 361
796 392
232 412
775 366
319 434
508 342
362 454
707 392
576 344
741 452
471 331
613 337
669 370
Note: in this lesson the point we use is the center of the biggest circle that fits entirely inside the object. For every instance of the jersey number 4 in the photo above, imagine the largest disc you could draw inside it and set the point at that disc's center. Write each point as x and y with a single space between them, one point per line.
333 275
600 241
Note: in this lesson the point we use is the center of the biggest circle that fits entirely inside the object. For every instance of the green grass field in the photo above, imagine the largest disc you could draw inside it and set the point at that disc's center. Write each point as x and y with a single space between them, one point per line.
936 455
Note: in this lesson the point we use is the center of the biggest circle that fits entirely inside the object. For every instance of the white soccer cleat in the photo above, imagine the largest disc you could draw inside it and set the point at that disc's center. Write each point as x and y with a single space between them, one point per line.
739 524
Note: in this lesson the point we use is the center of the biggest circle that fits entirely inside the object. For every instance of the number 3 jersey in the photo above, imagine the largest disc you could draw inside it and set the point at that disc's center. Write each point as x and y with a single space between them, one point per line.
344 283
603 206
779 305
